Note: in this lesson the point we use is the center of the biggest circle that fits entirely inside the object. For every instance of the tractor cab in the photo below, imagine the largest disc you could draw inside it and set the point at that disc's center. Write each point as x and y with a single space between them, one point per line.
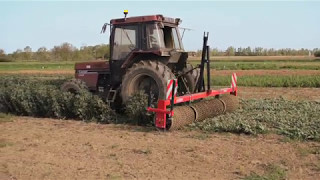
152 34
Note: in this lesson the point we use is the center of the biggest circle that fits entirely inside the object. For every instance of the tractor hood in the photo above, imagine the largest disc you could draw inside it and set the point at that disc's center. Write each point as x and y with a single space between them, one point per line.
97 65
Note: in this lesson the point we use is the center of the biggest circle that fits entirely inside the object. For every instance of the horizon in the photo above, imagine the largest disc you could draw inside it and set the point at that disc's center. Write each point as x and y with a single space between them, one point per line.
278 25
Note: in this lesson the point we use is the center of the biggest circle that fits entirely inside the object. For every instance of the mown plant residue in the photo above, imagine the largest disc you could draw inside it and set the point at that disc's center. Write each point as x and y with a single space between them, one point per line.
295 119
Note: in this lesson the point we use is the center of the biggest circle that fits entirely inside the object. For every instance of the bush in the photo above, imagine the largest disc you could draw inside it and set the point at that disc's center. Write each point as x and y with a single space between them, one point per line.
5 59
37 98
317 54
136 108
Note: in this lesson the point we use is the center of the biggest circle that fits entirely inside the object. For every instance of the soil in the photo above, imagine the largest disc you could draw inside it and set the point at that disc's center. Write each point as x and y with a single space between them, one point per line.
34 148
312 94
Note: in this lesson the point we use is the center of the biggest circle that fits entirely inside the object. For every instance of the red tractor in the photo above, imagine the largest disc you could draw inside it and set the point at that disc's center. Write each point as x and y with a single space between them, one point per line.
144 51
147 54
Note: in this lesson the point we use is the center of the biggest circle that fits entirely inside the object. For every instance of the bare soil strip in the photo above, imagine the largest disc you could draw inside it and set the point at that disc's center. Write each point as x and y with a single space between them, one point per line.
312 94
57 149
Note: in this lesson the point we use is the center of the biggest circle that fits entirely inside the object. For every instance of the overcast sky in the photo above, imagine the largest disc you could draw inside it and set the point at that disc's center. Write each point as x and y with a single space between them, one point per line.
239 24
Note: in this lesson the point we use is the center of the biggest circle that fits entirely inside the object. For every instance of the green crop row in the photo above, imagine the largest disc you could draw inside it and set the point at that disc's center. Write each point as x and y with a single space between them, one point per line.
269 81
296 120
11 66
274 65
43 98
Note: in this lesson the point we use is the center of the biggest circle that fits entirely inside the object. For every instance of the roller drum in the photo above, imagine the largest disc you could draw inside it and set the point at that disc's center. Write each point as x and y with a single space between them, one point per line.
182 116
231 101
208 109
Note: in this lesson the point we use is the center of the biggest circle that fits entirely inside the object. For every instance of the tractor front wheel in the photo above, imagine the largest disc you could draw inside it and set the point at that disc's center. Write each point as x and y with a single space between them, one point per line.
74 86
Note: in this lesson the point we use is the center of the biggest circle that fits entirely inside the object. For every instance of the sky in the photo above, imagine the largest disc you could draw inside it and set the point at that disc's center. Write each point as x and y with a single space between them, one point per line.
239 23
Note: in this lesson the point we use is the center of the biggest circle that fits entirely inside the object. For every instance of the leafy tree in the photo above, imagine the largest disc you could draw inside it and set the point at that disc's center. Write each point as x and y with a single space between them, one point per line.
42 54
27 55
102 51
63 52
2 53
230 51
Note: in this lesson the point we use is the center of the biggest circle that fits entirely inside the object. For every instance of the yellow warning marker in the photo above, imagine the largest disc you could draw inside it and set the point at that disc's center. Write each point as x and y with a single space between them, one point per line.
125 12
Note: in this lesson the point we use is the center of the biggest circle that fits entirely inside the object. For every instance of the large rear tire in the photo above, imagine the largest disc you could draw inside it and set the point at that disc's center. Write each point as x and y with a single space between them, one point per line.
146 76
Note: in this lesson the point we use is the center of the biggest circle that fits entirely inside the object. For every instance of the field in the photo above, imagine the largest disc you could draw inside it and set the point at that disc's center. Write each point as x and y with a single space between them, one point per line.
274 135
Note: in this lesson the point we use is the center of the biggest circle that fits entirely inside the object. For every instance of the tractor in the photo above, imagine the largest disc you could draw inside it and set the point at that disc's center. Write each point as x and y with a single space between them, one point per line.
146 54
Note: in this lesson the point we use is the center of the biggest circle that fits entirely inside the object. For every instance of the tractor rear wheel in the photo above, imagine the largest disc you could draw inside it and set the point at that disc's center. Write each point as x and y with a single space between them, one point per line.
74 86
188 81
146 76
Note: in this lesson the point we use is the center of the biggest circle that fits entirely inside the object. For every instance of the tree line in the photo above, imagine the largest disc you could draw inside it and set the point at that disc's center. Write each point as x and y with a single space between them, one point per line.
63 52
259 51
68 52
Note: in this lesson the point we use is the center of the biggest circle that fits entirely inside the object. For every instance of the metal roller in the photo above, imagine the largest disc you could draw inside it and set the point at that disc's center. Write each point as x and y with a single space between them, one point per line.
182 116
200 111
208 109
231 102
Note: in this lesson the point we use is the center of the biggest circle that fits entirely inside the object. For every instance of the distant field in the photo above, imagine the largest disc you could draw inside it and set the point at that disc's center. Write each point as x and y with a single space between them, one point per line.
218 63
270 81
257 58
252 71
34 65
258 64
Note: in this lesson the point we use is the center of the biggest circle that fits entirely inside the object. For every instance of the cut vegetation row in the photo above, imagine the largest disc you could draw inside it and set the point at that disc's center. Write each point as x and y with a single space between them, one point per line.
42 98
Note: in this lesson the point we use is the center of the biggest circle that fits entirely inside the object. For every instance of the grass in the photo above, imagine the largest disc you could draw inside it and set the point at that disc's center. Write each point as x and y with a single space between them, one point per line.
256 58
36 65
5 118
299 120
272 172
266 65
270 81
240 63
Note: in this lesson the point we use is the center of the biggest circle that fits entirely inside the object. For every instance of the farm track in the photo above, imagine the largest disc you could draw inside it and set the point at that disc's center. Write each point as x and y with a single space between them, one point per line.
54 149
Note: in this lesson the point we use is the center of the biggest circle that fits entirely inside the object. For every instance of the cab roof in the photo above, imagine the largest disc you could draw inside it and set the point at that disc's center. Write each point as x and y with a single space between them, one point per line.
141 19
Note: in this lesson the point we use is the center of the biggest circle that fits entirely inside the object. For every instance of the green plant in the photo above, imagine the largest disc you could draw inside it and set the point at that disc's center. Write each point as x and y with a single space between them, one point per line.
136 108
5 117
270 81
317 54
44 99
295 119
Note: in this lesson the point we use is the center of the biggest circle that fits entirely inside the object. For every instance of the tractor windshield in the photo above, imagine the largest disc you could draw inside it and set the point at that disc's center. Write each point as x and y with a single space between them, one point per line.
165 37
155 37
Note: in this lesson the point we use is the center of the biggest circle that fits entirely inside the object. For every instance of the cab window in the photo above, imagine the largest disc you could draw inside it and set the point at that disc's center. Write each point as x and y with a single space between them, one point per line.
125 40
